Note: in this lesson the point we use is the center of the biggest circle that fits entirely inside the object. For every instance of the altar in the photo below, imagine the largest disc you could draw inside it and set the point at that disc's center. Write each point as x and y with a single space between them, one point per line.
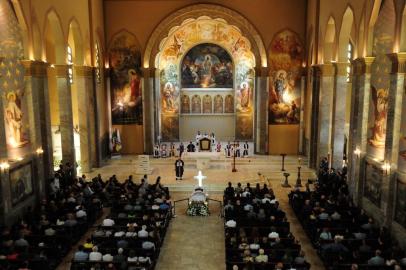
203 158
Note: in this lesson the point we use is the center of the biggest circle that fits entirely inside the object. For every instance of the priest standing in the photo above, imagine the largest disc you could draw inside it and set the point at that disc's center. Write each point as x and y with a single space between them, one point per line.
179 164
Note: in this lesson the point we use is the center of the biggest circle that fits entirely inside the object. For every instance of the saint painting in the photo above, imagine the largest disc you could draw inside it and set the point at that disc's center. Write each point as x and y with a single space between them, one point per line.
185 100
229 104
244 97
15 131
196 104
286 56
218 104
169 97
125 73
207 66
207 104
380 104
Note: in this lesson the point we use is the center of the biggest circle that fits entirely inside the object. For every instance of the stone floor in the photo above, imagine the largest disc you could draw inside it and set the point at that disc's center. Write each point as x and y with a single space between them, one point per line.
198 242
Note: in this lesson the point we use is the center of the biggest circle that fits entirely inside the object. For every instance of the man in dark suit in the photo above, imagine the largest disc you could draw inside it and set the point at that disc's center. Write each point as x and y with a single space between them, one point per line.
179 164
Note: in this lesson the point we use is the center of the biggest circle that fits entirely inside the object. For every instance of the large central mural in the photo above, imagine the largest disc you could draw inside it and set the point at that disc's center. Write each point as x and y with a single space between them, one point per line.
215 55
207 66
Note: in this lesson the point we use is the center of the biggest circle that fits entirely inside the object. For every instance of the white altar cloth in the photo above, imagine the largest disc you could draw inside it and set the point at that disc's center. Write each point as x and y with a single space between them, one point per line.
202 158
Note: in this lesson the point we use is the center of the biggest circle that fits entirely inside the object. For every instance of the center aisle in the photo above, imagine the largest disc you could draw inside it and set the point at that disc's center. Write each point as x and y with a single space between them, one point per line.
193 243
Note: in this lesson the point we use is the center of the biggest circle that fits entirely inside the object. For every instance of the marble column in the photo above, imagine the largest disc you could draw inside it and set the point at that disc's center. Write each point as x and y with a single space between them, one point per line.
36 89
261 110
303 83
394 115
84 86
65 114
314 119
360 96
340 108
5 202
325 124
150 106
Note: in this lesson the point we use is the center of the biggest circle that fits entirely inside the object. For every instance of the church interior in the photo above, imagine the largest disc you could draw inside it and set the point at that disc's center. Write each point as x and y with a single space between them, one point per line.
202 135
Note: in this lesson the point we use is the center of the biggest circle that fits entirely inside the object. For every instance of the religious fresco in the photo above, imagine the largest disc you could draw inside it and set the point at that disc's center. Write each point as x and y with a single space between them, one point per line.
229 104
185 101
400 206
12 83
207 66
402 138
244 127
196 104
373 183
21 183
380 80
125 80
170 125
183 61
207 104
285 62
218 104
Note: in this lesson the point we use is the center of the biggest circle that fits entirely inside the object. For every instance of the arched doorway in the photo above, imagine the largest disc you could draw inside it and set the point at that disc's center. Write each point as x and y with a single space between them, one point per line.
191 48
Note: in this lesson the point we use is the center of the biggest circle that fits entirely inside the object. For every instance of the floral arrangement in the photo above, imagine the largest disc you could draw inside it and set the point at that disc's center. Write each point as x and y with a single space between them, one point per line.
196 208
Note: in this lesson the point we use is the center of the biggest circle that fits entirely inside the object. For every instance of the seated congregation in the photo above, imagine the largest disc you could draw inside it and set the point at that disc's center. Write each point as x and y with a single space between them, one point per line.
257 233
344 235
129 237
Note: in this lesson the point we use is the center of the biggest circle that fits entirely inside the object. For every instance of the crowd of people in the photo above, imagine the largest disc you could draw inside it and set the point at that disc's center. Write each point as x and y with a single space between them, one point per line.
257 233
130 237
44 235
345 236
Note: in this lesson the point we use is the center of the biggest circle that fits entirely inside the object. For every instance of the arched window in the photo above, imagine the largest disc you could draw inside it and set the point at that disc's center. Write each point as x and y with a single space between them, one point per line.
70 63
98 70
350 56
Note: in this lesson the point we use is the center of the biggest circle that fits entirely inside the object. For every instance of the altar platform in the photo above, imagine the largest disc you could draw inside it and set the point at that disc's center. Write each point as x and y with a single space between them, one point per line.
218 174
203 159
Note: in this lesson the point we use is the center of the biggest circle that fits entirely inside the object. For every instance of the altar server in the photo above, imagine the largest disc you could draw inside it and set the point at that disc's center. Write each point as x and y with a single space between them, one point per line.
218 148
228 150
172 150
237 150
156 151
179 164
246 147
181 149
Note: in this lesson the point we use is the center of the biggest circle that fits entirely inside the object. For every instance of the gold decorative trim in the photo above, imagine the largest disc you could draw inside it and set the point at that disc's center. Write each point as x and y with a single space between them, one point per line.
327 70
341 68
61 70
362 65
35 68
195 11
398 62
83 71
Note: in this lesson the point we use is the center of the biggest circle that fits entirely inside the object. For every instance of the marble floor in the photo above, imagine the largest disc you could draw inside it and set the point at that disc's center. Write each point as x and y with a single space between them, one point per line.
196 242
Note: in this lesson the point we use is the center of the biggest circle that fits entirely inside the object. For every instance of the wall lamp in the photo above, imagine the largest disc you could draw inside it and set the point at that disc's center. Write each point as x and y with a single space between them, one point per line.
386 167
357 152
39 151
4 165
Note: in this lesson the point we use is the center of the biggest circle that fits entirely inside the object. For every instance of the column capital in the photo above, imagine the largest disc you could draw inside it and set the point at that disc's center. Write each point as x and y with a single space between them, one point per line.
341 68
83 71
148 72
35 68
363 65
398 62
262 71
327 70
61 70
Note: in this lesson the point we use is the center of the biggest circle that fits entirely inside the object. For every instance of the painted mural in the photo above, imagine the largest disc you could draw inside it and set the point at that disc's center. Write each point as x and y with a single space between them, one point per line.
218 104
285 62
400 207
373 183
185 104
207 66
402 139
21 183
12 82
207 104
196 104
229 104
380 80
208 53
125 80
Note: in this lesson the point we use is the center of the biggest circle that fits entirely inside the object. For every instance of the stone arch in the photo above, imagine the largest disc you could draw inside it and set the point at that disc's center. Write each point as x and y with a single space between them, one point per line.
347 26
55 47
36 39
198 10
402 43
372 20
361 37
329 41
75 42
